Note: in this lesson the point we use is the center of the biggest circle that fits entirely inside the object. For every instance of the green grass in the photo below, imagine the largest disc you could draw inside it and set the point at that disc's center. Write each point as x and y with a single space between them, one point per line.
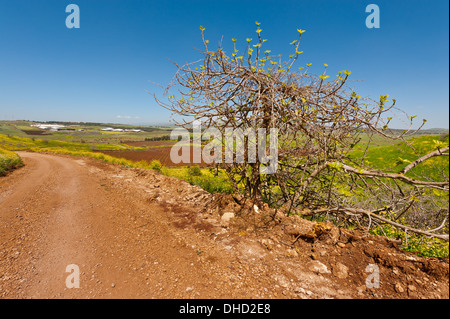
8 161
202 177
38 144
14 143
89 133
419 245
394 157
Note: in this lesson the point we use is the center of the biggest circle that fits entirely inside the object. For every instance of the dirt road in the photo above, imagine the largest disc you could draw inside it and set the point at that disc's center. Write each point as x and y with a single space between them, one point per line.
59 211
136 234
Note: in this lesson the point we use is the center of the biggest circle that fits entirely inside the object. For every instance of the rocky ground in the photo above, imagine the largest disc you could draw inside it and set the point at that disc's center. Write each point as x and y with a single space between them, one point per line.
135 233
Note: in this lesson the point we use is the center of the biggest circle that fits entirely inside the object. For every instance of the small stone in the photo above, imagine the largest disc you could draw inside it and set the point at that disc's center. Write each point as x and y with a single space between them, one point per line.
113 285
342 245
226 217
399 288
340 270
412 288
291 253
317 267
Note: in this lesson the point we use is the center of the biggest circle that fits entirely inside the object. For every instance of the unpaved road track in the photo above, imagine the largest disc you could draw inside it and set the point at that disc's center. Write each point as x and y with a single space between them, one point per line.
120 230
58 211
138 234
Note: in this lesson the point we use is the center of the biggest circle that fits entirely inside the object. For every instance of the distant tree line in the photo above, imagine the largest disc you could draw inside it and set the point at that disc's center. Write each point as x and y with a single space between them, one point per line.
158 138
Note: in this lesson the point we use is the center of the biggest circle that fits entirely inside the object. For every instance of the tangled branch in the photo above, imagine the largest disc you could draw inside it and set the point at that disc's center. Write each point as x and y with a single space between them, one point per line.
319 119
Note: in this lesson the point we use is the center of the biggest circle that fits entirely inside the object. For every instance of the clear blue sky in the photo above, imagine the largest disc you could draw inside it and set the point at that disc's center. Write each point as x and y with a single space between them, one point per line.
100 71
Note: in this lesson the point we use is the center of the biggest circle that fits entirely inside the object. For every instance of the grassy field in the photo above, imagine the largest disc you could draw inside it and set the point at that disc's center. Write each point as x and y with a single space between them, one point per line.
89 133
394 156
383 154
203 177
391 156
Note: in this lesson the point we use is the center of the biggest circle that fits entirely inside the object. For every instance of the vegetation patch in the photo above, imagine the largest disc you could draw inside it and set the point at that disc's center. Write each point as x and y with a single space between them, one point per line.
8 161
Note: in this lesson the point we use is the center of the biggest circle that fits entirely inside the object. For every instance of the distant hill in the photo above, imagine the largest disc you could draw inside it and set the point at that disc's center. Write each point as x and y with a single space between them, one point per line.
433 131
430 131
